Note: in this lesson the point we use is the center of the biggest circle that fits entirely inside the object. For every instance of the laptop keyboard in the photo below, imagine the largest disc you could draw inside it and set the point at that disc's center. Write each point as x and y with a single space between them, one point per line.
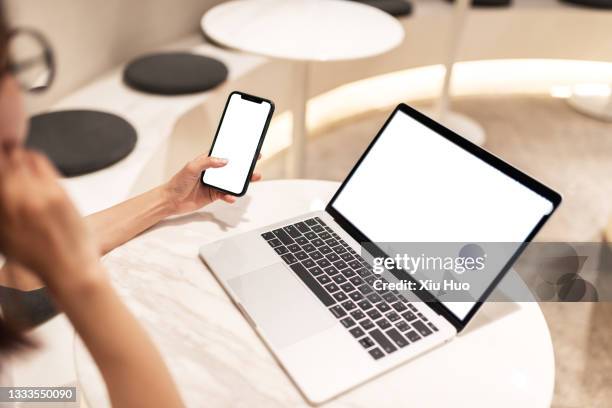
381 321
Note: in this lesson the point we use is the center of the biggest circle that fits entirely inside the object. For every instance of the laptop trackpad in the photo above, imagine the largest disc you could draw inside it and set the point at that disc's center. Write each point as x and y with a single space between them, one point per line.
281 306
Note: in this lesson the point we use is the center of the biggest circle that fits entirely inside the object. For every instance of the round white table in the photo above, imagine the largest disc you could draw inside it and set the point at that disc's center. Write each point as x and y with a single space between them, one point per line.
302 31
504 359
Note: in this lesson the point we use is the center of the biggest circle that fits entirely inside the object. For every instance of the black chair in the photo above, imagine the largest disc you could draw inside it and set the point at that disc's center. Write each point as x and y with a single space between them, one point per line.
174 73
397 8
602 4
81 141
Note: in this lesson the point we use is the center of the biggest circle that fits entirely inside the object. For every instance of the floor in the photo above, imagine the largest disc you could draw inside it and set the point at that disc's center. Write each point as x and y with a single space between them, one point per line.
571 153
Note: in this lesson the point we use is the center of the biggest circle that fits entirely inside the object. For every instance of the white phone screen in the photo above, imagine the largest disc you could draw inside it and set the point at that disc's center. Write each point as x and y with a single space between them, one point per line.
237 139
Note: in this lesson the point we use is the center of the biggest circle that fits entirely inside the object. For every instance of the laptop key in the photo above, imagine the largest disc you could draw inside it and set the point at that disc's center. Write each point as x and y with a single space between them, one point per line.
402 325
325 250
347 322
309 263
274 242
340 296
301 255
355 264
365 305
389 297
292 231
294 248
337 311
363 272
330 271
348 272
317 228
316 271
357 314
267 235
332 287
356 296
421 328
311 222
283 236
347 257
317 242
371 279
409 316
383 324
289 258
366 342
281 250
413 336
365 289
399 306
373 297
339 249
376 353
397 338
316 255
382 341
323 263
332 257
434 328
356 280
324 235
309 248
374 314
302 227
301 240
357 332
331 242
310 235
340 264
339 279
312 284
324 279
383 307
393 316
366 324
348 305
347 287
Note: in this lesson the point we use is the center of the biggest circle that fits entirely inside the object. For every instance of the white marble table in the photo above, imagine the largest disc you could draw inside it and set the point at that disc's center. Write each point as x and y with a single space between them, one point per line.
505 359
302 31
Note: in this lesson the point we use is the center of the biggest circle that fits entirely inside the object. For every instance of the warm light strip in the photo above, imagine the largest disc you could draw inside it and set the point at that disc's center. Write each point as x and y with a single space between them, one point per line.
491 77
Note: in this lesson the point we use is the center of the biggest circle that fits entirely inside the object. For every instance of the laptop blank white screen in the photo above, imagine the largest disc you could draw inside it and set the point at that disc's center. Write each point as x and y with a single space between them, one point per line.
416 186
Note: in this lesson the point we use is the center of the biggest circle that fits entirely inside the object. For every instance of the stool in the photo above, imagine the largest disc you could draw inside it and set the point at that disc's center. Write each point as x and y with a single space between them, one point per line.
174 73
81 141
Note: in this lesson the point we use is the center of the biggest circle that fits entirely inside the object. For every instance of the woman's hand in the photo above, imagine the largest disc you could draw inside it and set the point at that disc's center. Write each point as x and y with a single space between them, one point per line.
185 191
41 229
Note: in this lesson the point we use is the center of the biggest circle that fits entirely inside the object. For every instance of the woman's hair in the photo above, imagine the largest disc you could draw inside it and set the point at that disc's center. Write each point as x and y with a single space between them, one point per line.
11 339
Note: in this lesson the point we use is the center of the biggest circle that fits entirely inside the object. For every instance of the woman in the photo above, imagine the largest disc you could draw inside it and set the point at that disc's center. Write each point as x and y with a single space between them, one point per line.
46 242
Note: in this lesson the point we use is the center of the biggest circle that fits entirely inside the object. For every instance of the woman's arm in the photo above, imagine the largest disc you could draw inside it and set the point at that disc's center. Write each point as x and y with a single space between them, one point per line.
132 368
120 223
42 231
182 194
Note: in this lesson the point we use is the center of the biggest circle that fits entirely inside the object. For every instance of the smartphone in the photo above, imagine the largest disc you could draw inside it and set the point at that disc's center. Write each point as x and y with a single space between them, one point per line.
239 138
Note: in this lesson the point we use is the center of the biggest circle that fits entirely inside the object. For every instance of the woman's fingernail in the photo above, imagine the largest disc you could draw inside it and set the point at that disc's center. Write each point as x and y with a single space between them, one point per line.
220 160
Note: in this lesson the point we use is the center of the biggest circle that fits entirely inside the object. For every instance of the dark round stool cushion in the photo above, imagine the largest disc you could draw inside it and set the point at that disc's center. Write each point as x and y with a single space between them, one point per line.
396 8
604 4
81 141
175 73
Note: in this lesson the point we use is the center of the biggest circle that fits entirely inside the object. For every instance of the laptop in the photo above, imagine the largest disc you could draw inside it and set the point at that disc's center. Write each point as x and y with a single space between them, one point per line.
307 288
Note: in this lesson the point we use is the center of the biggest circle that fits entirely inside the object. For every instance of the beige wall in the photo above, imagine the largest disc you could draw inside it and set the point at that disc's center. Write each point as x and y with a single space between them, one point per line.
91 36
